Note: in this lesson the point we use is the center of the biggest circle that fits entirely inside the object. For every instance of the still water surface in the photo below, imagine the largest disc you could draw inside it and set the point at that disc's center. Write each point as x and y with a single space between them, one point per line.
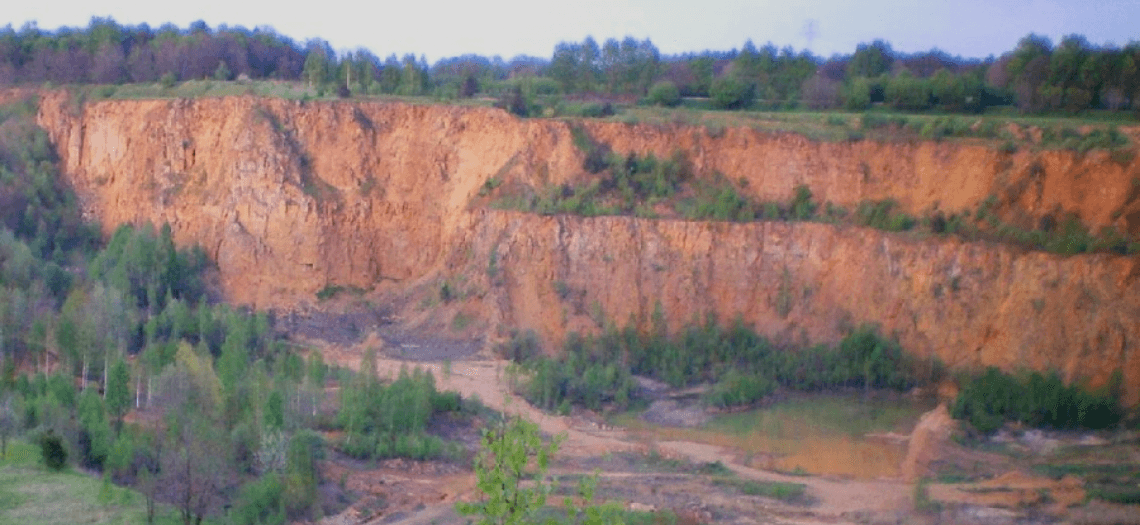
846 435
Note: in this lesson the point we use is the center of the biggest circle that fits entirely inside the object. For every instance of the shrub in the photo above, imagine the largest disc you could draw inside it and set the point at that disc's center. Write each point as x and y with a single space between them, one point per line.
857 96
52 451
664 93
875 121
717 201
522 347
802 207
595 154
988 400
729 92
261 502
882 215
737 389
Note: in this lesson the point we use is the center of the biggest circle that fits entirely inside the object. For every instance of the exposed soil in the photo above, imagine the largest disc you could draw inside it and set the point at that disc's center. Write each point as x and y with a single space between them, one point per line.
647 474
587 441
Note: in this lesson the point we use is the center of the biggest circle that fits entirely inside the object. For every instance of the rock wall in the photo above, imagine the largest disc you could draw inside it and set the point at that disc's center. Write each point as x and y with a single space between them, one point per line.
289 197
971 304
920 176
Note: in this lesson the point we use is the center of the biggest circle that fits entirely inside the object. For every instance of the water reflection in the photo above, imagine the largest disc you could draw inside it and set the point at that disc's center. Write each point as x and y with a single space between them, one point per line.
850 436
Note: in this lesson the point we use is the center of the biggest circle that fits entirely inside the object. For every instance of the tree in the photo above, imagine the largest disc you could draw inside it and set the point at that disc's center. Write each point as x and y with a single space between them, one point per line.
506 458
319 63
730 92
564 65
871 60
1028 70
820 92
195 464
52 451
588 54
907 92
119 392
9 420
664 93
501 466
702 68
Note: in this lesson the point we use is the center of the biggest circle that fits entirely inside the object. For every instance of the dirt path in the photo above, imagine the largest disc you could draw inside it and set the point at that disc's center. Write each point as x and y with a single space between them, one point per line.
837 500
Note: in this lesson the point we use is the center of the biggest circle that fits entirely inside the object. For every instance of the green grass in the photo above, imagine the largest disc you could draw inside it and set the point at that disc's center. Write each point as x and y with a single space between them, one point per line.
262 88
1111 482
31 495
838 126
787 492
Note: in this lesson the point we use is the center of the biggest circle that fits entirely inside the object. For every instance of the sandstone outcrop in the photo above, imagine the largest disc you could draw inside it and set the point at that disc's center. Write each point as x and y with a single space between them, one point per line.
291 196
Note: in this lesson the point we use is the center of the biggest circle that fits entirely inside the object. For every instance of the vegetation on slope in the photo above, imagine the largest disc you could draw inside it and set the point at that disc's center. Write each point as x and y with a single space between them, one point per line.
650 187
113 356
993 397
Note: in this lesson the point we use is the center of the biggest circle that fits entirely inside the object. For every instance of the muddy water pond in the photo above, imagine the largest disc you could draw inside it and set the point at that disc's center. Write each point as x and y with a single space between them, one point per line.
846 435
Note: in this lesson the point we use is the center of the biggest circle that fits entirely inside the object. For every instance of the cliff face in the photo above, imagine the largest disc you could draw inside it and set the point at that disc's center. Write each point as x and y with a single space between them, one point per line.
920 176
970 304
289 197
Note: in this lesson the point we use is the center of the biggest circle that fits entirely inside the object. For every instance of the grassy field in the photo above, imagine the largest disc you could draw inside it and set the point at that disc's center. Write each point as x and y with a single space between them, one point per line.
831 126
30 494
261 88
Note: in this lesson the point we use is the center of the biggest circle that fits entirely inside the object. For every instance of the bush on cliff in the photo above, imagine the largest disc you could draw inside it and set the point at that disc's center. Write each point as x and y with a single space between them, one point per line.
993 397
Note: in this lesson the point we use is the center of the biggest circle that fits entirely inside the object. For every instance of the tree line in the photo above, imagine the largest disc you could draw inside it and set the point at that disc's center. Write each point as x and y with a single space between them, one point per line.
1036 76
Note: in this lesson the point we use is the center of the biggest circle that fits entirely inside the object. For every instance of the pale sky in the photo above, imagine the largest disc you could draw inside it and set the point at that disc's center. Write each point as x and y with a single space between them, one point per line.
438 29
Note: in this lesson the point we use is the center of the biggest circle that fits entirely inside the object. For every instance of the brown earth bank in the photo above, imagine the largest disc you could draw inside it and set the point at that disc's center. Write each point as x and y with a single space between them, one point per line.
290 197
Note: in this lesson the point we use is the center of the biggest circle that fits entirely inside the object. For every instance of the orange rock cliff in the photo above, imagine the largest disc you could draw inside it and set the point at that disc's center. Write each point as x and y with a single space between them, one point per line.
289 197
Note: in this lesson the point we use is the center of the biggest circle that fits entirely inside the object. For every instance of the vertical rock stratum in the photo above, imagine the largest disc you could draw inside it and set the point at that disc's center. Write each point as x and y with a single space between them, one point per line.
289 197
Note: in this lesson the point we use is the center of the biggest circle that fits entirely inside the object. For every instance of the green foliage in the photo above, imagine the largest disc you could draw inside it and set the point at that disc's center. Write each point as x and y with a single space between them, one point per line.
333 290
582 375
857 95
511 453
802 206
923 503
741 365
730 92
988 400
788 492
718 201
941 127
736 389
631 180
261 502
52 451
119 390
882 215
95 437
391 421
301 476
147 266
664 93
521 347
566 108
38 207
879 121
595 154
906 92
